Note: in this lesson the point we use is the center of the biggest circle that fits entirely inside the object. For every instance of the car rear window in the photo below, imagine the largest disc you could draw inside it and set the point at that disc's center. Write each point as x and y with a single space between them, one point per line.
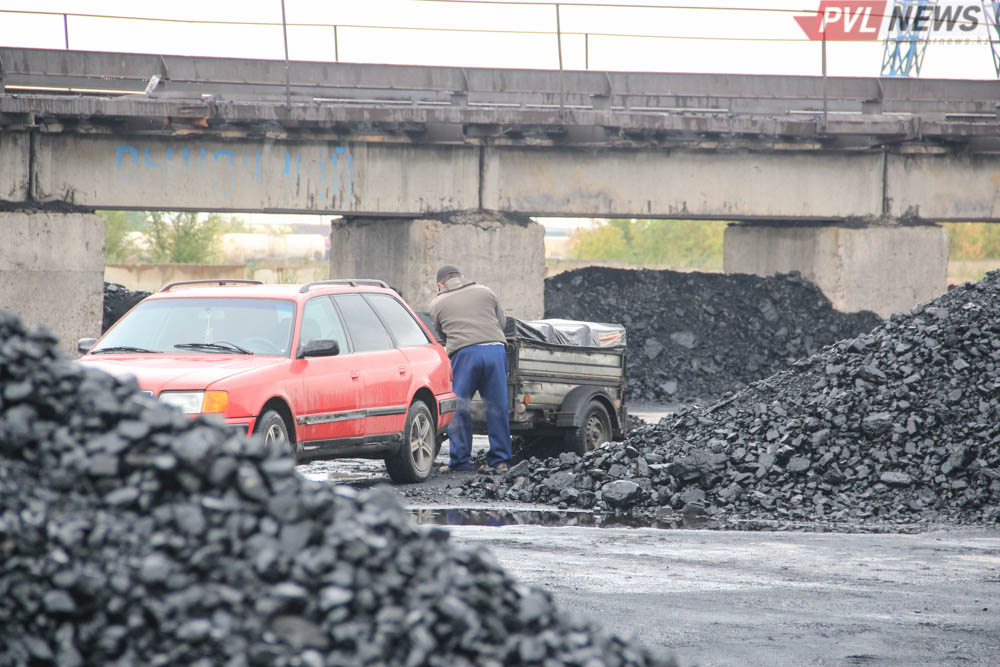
367 332
398 320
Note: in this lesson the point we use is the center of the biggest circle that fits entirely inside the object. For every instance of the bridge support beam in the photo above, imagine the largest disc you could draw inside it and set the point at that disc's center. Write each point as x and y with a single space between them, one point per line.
502 251
52 272
885 269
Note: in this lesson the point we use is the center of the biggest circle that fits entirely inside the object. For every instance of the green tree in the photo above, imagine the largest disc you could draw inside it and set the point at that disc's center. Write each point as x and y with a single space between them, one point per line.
603 241
680 243
973 240
233 225
119 248
184 238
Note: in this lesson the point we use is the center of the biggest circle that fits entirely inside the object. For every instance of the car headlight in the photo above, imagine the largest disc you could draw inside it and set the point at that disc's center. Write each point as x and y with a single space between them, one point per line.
197 402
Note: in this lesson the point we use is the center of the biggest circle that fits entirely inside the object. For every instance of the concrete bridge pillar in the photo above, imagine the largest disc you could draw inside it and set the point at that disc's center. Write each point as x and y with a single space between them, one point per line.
502 251
882 268
52 272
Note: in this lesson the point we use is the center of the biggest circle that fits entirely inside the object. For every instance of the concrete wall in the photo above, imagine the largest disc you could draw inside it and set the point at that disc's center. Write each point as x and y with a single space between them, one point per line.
151 277
885 269
503 252
415 179
774 181
723 185
319 270
247 175
14 166
51 272
943 187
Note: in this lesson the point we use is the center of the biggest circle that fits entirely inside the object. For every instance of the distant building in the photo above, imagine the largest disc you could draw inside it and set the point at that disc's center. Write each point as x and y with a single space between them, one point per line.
557 243
239 248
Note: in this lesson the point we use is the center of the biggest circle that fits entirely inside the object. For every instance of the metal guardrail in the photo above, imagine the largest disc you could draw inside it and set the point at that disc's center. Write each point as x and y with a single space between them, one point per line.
197 78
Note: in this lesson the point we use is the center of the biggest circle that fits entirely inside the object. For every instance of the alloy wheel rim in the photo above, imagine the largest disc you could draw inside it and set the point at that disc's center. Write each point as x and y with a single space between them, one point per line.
421 443
274 435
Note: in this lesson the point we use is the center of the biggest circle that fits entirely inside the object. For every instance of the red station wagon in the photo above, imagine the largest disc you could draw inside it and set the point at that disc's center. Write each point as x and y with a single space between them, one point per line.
330 369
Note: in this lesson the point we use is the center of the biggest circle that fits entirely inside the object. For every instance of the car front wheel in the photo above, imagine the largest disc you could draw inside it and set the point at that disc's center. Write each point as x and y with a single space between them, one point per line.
415 458
271 426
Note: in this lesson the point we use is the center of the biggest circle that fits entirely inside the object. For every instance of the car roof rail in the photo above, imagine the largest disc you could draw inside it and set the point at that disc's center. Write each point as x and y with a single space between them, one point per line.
353 282
213 281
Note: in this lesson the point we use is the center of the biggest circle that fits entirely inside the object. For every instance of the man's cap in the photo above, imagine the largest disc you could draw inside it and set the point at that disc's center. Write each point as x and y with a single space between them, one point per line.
445 271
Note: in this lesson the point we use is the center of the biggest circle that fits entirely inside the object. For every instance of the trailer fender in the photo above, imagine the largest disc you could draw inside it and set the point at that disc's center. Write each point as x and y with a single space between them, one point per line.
576 402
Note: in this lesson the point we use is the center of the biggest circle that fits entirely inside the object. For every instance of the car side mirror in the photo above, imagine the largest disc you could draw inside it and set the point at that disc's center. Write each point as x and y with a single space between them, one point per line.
84 344
320 347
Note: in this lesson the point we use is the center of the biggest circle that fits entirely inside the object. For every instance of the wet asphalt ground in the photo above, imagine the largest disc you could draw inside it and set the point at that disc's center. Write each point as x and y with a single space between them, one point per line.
735 597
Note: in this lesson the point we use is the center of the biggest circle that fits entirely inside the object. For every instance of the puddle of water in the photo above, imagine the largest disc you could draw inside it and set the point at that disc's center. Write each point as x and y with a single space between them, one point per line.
343 471
455 516
338 477
484 517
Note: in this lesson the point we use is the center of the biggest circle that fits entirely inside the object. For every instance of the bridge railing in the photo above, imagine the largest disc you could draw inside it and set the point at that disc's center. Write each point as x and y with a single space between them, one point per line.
88 72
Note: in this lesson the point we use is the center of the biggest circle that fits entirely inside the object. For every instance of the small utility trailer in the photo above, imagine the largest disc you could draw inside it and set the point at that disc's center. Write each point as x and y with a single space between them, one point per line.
566 383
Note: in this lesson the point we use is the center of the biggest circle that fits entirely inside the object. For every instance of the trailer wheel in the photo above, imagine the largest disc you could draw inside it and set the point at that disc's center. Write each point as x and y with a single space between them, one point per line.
594 430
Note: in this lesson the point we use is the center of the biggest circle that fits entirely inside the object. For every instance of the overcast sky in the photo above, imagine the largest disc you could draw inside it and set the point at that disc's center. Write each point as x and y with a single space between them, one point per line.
749 37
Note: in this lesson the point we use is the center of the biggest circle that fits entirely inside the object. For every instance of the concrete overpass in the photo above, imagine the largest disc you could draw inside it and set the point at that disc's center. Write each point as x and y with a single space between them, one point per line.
880 160
216 134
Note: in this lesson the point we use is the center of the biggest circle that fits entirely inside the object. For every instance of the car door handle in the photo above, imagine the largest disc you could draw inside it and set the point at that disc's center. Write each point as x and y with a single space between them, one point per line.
402 370
355 375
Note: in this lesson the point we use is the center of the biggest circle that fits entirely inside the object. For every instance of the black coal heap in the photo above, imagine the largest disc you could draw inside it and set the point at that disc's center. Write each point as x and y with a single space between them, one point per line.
132 535
695 336
118 300
901 425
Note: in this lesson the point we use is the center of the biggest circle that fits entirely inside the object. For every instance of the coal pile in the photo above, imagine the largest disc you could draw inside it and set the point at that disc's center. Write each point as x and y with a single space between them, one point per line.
901 425
131 535
118 300
697 336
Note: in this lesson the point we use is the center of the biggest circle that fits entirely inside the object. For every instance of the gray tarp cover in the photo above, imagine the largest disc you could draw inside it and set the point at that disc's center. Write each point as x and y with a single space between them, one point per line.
554 331
567 332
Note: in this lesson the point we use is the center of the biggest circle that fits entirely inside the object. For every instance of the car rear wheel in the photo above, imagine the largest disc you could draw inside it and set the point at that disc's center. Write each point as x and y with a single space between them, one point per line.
271 426
415 458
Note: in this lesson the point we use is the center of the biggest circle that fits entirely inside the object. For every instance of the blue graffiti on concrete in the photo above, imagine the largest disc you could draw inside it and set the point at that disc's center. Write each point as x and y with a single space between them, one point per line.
123 150
228 168
339 150
334 172
287 171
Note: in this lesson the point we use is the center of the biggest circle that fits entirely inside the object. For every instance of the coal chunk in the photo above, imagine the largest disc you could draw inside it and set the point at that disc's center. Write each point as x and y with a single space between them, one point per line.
130 534
118 300
889 428
757 325
896 478
620 493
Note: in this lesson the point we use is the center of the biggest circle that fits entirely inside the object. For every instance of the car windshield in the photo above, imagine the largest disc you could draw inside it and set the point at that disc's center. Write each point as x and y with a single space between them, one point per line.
200 325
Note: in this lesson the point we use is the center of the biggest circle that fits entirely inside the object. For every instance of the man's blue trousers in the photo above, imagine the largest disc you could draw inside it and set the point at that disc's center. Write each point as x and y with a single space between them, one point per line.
481 368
